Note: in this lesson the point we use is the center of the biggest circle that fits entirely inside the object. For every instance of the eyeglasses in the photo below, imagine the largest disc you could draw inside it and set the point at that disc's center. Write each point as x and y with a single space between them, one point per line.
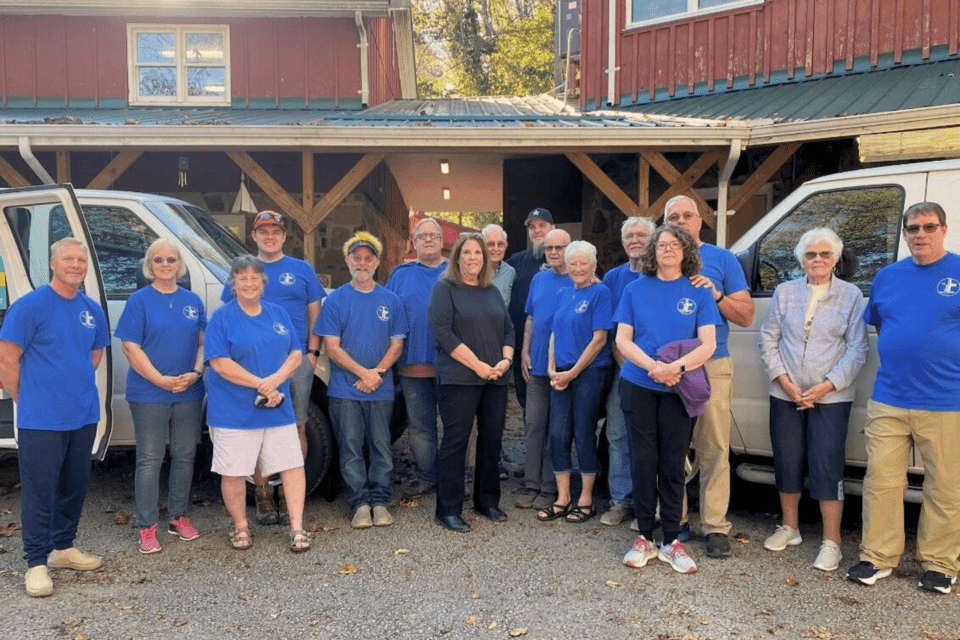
671 246
428 236
636 236
554 247
674 217
812 255
168 259
914 229
270 215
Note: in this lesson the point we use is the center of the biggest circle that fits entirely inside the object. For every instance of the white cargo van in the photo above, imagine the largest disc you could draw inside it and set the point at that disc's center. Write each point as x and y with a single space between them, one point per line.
864 208
117 227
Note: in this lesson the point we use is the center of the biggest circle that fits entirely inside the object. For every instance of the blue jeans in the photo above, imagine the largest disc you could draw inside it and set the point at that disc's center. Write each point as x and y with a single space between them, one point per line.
618 477
573 417
537 467
420 395
154 424
54 476
356 422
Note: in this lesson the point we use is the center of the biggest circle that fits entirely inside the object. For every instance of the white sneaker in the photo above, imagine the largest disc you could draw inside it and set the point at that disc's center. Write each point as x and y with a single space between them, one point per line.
640 553
675 554
616 514
362 518
829 557
783 537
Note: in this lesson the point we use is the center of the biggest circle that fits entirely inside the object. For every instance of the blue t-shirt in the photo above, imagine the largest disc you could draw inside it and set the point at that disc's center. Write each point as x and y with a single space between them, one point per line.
916 310
292 284
617 280
413 283
540 305
660 312
726 274
580 312
58 389
167 327
260 344
365 322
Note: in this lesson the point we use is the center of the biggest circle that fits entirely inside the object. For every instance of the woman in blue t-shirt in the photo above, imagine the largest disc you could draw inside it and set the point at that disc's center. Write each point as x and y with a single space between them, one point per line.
161 330
660 307
579 371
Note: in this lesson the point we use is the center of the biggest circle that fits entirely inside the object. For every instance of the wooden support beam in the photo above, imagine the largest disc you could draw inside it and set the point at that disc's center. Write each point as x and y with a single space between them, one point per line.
683 183
762 175
270 186
63 167
309 237
910 145
114 169
11 176
643 183
344 187
603 182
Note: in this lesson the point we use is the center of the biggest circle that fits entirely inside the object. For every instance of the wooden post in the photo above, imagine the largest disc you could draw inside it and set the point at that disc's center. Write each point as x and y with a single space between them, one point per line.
63 167
309 236
643 183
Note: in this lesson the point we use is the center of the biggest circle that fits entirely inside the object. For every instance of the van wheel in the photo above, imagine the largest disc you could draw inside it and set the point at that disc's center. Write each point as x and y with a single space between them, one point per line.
320 447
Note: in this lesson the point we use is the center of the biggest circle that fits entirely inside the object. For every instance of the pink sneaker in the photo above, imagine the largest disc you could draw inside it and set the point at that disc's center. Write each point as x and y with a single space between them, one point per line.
148 540
182 527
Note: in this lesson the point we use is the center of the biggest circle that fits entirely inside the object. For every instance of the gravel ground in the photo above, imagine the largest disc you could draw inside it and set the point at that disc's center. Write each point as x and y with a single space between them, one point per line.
521 578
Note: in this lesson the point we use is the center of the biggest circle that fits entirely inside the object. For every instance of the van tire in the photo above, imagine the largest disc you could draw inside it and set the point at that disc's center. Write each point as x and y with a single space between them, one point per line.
320 446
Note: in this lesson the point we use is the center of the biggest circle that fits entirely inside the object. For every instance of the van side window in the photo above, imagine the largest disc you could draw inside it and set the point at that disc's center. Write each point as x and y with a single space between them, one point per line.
866 219
121 239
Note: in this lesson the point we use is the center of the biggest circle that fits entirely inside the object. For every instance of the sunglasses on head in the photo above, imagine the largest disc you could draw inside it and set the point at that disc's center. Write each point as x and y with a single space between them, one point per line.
268 215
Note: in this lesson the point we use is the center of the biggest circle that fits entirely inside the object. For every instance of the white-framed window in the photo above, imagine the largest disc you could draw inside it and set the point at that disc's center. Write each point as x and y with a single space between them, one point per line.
645 12
178 64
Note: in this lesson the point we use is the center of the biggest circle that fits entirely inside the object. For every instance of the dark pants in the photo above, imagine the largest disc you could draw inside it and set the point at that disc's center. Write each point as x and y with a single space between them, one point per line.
659 430
519 384
54 476
459 405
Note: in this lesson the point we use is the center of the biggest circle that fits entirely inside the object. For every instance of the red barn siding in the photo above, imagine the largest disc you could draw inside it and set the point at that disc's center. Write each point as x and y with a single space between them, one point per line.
273 61
768 42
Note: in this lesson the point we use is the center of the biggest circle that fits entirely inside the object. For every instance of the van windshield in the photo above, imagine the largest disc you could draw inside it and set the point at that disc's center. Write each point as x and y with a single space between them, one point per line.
206 238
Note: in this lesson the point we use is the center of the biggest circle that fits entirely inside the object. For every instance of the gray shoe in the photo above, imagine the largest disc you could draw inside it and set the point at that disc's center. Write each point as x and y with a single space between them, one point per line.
544 501
419 489
525 498
616 514
381 517
362 518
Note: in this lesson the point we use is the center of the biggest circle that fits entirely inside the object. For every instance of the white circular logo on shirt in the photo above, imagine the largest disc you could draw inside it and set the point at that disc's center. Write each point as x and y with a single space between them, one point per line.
948 287
582 307
686 306
279 328
383 313
544 266
287 279
190 313
86 319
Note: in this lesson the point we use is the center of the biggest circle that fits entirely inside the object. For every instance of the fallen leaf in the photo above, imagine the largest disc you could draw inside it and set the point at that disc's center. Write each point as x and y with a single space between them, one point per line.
121 518
8 530
474 594
742 538
347 569
792 580
7 511
849 600
74 622
400 552
516 633
817 632
81 636
612 584
206 503
315 622
244 597
410 503
471 619
492 625
179 623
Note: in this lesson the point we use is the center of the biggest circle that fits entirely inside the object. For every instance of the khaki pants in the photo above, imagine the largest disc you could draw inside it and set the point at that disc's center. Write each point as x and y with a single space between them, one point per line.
891 432
711 440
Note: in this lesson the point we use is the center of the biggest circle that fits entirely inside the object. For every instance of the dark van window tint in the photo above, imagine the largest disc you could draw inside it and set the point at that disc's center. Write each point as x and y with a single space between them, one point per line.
120 239
867 220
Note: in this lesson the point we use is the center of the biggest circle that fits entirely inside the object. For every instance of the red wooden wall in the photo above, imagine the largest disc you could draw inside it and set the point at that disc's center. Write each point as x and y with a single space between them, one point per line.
772 41
294 63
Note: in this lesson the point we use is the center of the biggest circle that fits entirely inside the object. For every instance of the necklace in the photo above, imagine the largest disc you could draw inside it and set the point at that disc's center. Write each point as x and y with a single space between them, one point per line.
169 297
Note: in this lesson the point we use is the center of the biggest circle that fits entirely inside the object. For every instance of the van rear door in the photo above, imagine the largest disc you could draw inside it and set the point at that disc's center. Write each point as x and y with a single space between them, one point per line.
32 219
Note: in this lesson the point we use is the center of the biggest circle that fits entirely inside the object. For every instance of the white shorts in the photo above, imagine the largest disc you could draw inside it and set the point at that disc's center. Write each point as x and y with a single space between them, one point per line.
237 451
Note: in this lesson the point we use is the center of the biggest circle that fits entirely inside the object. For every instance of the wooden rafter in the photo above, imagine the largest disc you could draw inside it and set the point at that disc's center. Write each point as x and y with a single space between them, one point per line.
309 237
114 169
63 167
270 186
11 176
682 183
602 181
344 187
763 174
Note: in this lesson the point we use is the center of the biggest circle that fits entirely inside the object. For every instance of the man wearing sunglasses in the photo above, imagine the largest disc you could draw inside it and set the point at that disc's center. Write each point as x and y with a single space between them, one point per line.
292 284
915 306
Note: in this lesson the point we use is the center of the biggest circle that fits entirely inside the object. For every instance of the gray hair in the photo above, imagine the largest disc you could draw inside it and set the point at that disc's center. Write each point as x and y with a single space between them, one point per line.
152 251
245 263
66 241
674 200
925 207
416 229
813 236
580 248
634 221
493 227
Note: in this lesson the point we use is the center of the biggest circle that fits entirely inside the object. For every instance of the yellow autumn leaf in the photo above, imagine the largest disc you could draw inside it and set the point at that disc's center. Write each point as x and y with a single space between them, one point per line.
347 569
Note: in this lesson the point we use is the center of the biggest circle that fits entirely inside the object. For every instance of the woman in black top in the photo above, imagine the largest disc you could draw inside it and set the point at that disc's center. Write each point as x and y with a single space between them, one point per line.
475 338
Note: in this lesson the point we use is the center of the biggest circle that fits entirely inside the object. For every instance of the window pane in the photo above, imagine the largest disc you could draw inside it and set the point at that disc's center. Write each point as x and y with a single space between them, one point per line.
649 9
121 240
705 4
865 219
205 47
205 81
155 47
158 81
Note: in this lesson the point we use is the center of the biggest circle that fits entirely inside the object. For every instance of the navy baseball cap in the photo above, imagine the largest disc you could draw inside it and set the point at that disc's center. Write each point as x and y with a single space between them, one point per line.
539 213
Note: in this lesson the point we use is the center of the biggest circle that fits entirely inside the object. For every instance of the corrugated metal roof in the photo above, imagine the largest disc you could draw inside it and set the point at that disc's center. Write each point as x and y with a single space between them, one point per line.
894 89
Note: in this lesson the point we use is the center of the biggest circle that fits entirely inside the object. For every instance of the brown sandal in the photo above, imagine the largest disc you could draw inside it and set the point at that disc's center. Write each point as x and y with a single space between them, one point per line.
240 539
299 541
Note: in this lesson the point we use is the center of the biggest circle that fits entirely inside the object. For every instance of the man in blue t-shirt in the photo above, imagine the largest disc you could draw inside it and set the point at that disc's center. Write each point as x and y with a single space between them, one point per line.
363 326
292 284
915 306
51 344
723 275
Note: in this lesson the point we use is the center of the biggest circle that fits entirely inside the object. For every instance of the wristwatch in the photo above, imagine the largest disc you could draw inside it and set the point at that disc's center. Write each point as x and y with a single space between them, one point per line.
313 352
683 366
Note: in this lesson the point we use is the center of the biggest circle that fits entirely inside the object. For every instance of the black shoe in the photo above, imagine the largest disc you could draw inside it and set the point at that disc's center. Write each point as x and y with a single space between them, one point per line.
866 573
494 514
453 523
685 535
936 581
718 545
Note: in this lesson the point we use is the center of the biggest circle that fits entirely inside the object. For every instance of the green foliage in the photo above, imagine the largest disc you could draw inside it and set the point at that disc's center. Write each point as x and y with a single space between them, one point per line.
473 219
484 47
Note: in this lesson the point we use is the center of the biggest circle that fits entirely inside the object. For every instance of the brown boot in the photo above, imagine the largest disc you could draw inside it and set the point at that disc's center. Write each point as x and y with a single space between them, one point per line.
266 509
284 517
